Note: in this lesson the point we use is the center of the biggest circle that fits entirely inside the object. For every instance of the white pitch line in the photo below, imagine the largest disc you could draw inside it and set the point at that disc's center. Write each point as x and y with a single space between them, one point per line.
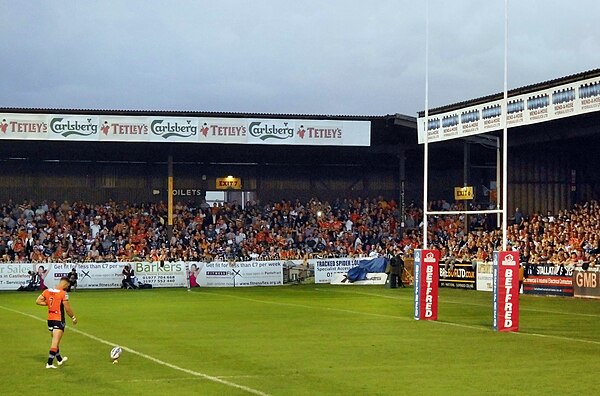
151 358
481 328
518 333
152 380
187 379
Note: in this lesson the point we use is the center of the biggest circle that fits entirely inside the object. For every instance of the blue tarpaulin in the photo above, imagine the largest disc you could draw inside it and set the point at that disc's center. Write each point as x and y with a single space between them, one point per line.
366 266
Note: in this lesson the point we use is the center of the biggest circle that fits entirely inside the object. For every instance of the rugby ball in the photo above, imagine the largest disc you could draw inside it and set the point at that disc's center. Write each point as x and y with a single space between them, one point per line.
115 352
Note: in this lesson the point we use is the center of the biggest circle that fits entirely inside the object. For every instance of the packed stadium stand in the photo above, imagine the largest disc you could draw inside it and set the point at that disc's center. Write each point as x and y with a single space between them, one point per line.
79 231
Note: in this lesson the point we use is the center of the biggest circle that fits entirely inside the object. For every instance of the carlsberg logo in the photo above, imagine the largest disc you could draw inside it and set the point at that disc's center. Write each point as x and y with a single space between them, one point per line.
79 127
167 129
264 132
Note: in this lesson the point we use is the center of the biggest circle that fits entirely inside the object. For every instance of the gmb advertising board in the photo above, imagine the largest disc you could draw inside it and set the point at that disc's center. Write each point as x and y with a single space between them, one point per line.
586 283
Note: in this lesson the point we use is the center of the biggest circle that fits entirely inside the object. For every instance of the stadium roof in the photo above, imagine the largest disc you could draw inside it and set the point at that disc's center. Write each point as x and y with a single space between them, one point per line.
517 91
188 113
389 134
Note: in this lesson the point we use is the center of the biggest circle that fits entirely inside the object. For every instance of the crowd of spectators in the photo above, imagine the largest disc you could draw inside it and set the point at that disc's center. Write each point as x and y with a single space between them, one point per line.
568 237
122 231
79 231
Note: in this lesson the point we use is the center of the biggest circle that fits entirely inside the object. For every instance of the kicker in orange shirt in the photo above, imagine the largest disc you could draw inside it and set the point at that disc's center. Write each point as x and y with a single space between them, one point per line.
54 299
57 302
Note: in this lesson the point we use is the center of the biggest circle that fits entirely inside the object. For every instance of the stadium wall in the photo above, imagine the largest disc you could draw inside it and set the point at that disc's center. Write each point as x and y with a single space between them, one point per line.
552 177
543 175
135 182
539 180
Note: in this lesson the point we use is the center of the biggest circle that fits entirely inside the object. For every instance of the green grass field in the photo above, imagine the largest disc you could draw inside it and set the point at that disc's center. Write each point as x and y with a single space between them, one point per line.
300 340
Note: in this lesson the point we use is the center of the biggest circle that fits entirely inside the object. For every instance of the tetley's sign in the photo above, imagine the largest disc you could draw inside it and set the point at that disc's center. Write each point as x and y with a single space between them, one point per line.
214 130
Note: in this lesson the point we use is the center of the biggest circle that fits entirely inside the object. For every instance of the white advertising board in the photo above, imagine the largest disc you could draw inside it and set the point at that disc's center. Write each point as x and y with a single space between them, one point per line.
115 128
240 274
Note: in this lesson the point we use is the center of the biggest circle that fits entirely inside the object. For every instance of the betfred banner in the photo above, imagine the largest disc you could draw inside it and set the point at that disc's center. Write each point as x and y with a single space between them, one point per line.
586 283
147 128
506 291
239 274
426 284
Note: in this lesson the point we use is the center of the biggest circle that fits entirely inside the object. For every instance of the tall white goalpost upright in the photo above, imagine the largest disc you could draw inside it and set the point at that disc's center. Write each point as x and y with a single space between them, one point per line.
505 301
504 202
506 264
425 128
426 268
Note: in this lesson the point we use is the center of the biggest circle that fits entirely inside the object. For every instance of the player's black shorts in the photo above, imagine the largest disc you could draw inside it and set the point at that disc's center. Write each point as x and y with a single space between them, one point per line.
56 324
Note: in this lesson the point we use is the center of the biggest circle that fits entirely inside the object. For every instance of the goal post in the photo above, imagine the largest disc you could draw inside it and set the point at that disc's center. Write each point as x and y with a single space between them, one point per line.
505 300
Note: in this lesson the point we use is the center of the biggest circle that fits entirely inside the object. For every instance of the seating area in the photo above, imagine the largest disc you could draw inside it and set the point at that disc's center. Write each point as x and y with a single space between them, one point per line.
50 231
122 231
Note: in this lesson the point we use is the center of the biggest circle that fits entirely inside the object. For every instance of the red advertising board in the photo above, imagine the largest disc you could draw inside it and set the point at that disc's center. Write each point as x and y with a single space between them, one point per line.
426 284
506 291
